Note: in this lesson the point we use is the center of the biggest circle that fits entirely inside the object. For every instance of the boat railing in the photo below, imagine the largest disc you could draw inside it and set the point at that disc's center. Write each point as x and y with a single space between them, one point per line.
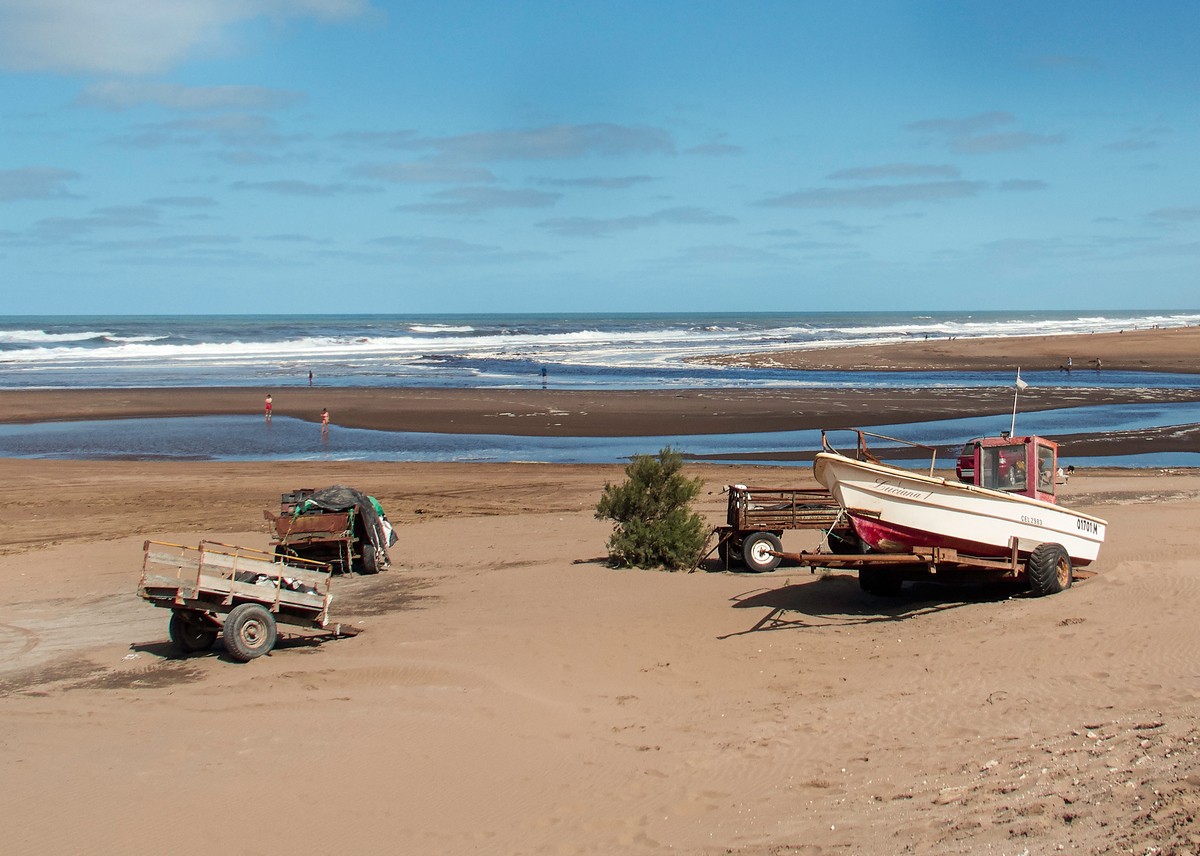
862 453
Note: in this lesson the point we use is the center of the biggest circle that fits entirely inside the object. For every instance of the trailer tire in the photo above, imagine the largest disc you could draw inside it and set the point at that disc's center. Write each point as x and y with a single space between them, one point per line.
190 633
879 583
1049 570
249 631
756 551
369 563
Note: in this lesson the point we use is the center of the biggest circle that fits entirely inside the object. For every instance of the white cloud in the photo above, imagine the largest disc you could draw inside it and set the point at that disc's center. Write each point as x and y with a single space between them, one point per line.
1175 215
476 200
422 173
113 217
895 170
34 182
552 142
133 37
296 187
121 95
877 195
1011 142
1023 185
622 182
962 126
229 129
594 227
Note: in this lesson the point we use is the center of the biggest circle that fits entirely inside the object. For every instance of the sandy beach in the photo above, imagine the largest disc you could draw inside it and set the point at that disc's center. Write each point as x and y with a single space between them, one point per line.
513 694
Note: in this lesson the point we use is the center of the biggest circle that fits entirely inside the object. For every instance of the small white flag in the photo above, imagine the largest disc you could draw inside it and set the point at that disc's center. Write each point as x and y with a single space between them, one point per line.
1021 385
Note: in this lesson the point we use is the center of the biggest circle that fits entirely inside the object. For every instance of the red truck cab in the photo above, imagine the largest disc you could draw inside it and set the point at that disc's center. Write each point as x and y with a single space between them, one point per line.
1024 465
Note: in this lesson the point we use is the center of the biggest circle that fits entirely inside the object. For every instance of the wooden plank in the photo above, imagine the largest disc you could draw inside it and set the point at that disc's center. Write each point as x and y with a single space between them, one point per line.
332 524
316 576
266 594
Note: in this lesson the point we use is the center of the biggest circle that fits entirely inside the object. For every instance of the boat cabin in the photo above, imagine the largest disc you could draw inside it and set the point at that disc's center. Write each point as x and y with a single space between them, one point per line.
1024 465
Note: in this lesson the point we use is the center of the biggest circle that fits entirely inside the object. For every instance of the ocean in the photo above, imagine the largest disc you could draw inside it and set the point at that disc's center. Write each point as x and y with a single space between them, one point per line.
577 351
615 351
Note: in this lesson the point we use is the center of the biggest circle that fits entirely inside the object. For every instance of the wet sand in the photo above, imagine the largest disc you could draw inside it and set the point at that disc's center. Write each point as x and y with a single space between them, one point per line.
569 413
1175 349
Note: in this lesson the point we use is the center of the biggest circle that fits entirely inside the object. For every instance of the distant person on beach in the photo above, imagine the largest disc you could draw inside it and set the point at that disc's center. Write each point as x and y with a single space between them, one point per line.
310 377
267 407
324 420
544 374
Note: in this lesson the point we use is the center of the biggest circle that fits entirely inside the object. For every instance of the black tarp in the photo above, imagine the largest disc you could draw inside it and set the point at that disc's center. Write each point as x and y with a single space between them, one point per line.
341 498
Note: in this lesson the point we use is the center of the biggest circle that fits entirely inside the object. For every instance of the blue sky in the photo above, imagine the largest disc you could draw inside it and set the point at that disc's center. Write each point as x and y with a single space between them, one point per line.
348 155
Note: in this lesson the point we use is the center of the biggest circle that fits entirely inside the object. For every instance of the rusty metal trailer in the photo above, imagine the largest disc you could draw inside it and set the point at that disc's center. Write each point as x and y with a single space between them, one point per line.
1046 572
756 518
238 592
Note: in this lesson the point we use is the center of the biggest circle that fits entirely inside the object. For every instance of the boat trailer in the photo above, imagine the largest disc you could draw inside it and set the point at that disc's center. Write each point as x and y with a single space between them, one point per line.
1047 570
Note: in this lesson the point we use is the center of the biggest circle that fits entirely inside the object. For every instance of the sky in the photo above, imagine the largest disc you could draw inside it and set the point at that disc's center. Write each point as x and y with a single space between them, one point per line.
316 156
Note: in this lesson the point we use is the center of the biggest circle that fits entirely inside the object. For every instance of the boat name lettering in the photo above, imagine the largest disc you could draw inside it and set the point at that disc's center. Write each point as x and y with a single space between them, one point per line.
1036 521
1089 526
897 490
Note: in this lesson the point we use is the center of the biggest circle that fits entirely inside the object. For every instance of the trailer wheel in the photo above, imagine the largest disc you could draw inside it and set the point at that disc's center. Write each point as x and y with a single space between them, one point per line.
756 551
879 583
369 564
190 633
1049 570
249 631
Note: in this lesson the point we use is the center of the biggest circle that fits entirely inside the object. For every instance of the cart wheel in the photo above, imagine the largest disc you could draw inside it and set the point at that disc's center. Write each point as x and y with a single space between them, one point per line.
190 633
369 565
756 551
879 583
249 631
1049 570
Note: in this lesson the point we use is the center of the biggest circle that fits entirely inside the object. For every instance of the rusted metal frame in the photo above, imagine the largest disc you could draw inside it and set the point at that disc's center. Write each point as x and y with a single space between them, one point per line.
931 557
863 453
707 551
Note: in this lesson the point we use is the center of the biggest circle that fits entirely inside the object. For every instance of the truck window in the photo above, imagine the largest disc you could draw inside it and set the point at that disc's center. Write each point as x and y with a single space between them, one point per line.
1045 469
1003 468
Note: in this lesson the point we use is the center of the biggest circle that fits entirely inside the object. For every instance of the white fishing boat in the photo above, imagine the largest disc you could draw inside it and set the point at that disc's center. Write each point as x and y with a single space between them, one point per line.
1011 509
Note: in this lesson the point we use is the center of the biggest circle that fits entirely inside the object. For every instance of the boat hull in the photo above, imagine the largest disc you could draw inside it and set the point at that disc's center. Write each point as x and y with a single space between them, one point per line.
895 510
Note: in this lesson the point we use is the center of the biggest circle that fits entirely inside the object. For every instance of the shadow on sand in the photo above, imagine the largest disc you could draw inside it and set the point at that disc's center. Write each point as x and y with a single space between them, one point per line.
835 599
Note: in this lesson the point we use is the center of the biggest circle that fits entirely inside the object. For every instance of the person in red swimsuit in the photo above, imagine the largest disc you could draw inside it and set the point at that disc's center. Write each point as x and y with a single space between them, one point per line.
267 405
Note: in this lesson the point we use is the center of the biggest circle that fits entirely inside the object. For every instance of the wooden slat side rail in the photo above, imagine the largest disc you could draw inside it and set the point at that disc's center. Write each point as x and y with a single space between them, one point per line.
306 524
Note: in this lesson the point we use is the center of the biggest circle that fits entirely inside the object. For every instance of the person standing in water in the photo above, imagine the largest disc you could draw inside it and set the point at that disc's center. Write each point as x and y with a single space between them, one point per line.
267 407
324 420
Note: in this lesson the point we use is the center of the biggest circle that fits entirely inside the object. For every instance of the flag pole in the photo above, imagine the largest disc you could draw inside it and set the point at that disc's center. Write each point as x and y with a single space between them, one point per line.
1012 429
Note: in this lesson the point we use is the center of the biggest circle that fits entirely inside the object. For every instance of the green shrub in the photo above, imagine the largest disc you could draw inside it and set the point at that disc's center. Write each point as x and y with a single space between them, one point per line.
652 523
